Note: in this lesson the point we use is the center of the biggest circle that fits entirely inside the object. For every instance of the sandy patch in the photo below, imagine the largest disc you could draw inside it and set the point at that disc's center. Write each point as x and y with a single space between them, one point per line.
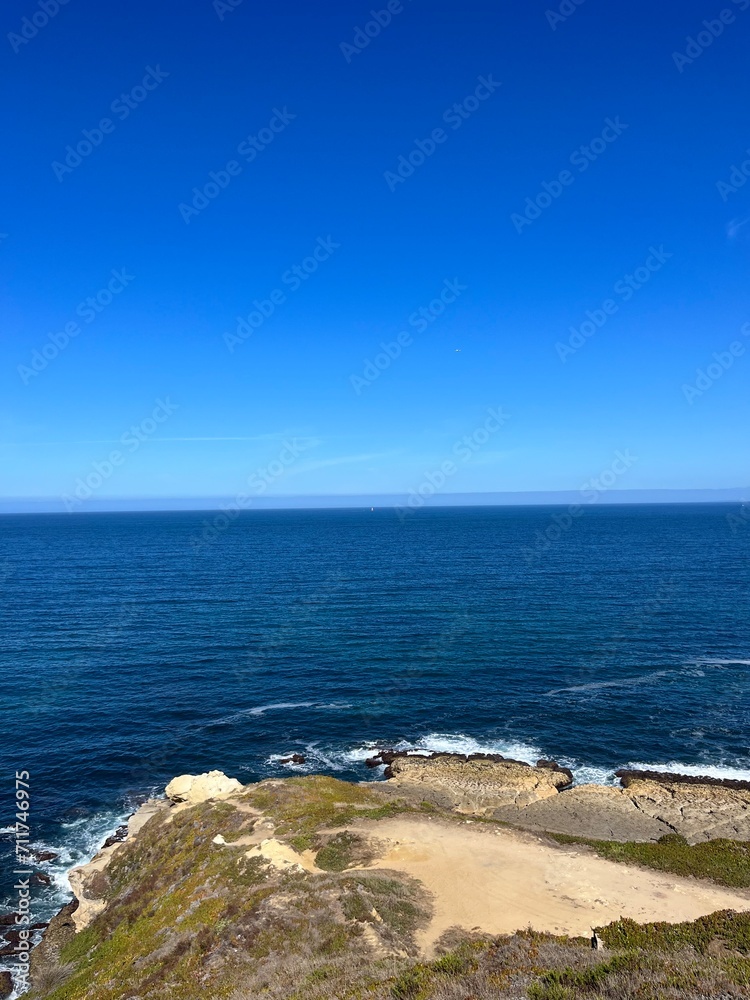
500 881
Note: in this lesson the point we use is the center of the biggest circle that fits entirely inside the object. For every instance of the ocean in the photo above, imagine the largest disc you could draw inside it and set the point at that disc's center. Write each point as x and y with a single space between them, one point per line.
140 646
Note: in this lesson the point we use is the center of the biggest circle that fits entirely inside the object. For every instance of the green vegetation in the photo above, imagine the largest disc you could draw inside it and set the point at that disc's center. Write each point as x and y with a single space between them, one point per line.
724 861
731 930
300 807
344 850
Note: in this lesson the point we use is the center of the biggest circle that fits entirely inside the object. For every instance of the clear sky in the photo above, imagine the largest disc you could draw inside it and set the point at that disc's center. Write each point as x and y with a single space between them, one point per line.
503 168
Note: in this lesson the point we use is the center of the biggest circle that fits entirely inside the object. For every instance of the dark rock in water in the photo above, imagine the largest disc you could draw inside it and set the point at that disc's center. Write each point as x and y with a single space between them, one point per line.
117 837
296 758
666 777
39 878
38 927
12 937
43 856
8 918
6 985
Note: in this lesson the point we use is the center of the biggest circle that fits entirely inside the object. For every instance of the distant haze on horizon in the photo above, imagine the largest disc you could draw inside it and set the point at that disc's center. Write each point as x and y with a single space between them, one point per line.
296 253
413 501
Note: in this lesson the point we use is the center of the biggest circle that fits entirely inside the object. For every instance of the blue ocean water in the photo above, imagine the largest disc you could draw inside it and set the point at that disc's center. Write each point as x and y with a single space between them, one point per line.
140 646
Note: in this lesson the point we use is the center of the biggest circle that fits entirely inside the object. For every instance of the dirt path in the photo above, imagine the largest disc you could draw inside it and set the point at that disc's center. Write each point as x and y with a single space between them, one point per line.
500 881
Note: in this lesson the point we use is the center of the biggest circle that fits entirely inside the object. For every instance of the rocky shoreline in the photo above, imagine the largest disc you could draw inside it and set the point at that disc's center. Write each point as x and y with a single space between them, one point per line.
541 798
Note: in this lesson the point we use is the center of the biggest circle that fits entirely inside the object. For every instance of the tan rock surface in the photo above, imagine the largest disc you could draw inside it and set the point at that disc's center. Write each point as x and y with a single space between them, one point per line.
195 788
698 812
601 812
474 786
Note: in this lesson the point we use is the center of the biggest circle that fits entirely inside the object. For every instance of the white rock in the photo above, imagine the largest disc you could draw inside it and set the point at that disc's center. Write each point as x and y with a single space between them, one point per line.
195 788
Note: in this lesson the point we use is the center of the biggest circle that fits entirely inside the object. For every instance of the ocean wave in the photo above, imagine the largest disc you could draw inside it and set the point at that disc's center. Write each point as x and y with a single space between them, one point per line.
625 682
279 706
724 663
447 743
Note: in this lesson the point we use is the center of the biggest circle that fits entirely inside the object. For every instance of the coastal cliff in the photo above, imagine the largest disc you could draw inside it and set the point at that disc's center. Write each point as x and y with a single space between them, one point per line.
423 885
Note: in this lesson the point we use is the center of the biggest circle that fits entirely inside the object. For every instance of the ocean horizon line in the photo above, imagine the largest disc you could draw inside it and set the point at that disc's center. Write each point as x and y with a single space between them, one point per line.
343 501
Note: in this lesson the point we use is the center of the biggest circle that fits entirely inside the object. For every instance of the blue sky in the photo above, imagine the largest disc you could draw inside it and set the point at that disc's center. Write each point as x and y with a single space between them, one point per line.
122 113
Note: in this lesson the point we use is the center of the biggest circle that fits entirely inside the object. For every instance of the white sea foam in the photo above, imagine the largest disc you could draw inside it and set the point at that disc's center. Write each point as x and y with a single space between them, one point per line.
449 743
725 663
277 707
280 706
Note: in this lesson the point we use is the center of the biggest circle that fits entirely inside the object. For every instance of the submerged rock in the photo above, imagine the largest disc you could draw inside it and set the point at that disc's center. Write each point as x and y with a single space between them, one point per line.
43 856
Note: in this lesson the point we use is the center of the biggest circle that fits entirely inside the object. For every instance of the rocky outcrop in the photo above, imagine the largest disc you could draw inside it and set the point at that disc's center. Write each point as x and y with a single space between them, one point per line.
598 811
645 809
6 985
670 778
61 931
476 785
696 811
195 788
